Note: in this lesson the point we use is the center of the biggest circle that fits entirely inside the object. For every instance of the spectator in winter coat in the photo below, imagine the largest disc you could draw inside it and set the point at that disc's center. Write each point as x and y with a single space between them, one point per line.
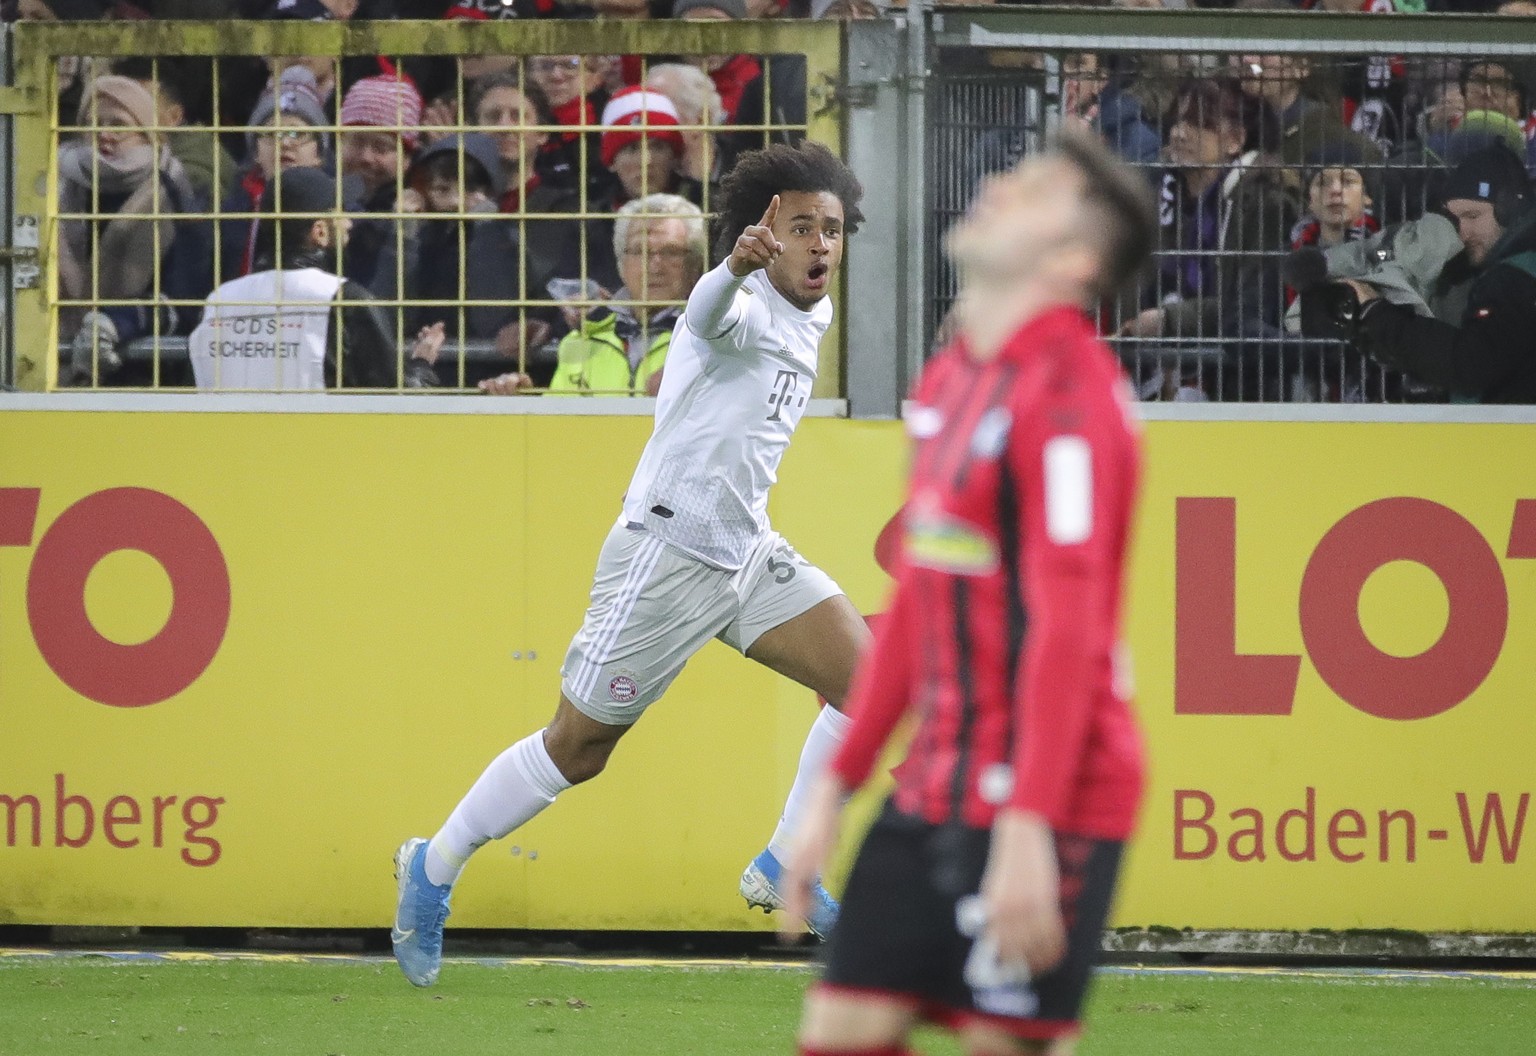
212 171
572 87
295 116
506 103
1222 207
132 247
1341 196
754 90
475 254
660 242
643 149
1305 124
380 115
697 102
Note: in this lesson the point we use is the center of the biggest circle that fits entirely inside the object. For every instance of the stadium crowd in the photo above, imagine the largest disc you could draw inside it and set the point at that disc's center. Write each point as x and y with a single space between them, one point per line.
499 232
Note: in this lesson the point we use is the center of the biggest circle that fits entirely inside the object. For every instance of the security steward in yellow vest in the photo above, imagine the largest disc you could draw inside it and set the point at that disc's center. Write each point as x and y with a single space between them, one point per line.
614 352
620 346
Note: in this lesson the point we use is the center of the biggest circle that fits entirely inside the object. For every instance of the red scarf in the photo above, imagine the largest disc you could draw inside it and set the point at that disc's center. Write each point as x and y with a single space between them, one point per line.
512 201
254 183
579 111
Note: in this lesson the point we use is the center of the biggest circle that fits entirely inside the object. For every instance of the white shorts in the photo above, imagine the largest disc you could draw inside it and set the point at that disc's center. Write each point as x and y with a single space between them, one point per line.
653 607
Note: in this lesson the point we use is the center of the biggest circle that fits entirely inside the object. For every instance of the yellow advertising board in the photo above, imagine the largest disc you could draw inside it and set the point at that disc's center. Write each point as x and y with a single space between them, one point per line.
243 655
1332 624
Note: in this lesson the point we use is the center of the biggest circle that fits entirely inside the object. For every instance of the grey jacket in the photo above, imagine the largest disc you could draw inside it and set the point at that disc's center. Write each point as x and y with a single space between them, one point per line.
1406 263
1402 261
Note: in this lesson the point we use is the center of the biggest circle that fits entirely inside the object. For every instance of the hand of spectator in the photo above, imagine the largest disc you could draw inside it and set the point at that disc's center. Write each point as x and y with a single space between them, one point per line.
506 384
653 384
1148 323
439 111
1363 290
411 201
517 338
756 247
575 313
93 352
429 342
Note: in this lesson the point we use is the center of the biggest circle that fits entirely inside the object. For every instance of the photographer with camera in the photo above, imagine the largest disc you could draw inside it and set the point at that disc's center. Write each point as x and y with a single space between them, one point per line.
1491 356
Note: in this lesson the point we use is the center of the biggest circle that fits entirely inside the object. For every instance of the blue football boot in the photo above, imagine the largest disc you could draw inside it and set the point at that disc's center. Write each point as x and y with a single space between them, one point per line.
419 916
760 887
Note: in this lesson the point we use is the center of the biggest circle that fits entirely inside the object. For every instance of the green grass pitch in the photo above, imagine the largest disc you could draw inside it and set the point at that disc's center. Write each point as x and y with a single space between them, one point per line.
360 1007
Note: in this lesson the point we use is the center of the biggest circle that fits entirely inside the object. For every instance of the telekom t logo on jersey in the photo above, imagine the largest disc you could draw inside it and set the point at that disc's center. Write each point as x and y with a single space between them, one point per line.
785 382
125 676
1212 678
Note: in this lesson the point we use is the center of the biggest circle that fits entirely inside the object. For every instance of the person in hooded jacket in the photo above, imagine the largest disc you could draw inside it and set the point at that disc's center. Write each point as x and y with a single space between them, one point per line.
132 245
474 254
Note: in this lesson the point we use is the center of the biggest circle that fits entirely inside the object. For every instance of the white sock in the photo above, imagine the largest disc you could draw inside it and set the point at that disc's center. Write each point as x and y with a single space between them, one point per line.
827 733
519 783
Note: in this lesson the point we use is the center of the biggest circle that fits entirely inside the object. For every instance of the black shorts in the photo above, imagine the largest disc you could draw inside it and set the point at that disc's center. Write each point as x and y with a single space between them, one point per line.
897 936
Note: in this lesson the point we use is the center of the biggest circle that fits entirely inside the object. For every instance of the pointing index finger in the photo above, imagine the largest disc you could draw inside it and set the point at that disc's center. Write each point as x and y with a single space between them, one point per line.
770 214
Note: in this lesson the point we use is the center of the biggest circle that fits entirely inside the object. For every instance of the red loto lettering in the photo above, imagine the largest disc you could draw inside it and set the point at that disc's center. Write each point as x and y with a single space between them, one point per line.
1445 674
128 519
1210 676
18 515
1522 530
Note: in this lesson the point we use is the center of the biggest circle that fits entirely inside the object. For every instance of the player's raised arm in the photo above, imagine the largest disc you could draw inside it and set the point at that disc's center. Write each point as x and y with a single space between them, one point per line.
712 304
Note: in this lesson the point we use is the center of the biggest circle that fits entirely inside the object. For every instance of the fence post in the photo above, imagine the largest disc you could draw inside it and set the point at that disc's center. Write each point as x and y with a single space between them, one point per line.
30 330
7 179
882 290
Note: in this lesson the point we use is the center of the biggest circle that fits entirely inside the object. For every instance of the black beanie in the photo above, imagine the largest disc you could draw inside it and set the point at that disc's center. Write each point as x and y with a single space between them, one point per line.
304 189
1492 174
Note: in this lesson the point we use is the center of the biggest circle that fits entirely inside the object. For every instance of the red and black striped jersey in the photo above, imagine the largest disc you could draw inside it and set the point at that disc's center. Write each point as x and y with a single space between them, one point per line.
1003 634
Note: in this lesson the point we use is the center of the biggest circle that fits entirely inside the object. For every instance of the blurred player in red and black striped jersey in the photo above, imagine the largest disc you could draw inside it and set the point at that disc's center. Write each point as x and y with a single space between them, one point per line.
978 897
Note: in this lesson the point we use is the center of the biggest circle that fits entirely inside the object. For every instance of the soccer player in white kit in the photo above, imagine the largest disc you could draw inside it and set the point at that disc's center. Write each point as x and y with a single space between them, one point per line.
692 556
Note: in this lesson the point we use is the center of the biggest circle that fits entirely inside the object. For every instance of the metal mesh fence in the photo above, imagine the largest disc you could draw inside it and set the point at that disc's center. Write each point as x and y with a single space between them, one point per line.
1267 167
229 222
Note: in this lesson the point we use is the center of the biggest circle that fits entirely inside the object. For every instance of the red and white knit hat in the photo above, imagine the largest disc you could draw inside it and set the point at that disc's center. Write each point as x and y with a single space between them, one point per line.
640 113
384 100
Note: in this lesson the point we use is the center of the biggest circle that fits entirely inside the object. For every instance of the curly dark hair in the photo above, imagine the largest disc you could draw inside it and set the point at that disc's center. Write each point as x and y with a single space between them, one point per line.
760 174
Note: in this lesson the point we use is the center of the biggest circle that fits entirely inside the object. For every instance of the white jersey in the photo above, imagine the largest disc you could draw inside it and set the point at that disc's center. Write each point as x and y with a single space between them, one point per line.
726 411
265 331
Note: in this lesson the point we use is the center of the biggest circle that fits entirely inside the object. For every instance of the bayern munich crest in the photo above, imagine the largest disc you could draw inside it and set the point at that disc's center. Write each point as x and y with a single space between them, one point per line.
623 689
